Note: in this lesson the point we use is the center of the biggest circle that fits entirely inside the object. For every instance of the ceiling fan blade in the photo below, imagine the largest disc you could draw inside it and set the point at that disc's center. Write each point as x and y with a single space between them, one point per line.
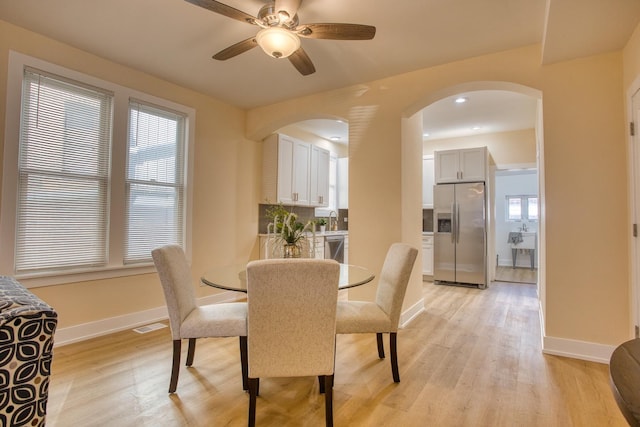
225 10
337 31
236 49
302 62
289 6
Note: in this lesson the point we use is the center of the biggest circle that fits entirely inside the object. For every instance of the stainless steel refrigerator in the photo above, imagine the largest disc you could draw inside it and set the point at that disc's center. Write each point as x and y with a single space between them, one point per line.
459 234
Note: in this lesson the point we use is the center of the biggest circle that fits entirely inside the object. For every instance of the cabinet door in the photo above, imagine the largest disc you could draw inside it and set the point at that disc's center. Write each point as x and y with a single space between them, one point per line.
346 250
473 164
428 180
427 255
319 176
286 147
447 166
300 182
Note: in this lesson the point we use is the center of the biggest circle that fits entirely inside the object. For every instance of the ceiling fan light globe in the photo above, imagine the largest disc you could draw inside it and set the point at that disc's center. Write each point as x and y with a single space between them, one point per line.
277 42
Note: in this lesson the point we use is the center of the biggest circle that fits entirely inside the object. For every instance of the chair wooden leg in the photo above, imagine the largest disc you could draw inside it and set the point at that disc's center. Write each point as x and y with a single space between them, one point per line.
328 400
321 383
244 363
394 356
175 367
191 352
380 346
254 384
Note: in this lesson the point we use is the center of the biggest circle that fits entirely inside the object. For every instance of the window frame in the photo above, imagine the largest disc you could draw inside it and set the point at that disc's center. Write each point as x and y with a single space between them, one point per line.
524 207
115 266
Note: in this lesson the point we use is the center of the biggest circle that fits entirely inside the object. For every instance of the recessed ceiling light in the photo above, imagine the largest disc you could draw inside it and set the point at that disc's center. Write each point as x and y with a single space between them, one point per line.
425 134
461 100
335 138
476 128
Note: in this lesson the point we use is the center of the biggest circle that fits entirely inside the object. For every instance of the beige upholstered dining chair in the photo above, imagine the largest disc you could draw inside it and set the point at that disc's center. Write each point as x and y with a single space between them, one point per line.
291 323
383 315
190 321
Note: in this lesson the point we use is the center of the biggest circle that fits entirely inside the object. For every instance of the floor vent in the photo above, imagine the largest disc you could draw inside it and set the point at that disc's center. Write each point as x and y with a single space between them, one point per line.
148 328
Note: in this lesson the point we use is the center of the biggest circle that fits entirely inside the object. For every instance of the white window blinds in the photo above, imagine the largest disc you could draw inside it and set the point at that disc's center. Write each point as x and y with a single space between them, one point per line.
63 170
155 180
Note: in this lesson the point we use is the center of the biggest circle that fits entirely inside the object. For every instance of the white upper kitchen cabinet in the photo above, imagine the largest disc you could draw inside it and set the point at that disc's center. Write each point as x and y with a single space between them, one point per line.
465 165
428 179
319 176
286 170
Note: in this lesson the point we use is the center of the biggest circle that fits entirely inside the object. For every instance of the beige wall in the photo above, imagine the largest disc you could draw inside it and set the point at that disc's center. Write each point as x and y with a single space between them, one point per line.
225 202
506 148
585 164
631 56
585 184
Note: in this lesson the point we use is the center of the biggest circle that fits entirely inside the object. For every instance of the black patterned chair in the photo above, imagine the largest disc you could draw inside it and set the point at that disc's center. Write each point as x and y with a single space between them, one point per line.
27 325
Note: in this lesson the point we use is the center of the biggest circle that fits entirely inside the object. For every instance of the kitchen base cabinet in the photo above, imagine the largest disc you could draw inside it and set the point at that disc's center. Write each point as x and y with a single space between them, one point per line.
346 250
427 255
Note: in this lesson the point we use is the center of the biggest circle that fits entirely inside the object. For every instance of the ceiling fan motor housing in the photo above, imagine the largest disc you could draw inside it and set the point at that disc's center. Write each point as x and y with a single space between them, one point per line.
269 17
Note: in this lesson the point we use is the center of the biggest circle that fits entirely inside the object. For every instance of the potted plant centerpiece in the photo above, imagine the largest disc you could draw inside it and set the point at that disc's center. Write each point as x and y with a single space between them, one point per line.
322 223
288 231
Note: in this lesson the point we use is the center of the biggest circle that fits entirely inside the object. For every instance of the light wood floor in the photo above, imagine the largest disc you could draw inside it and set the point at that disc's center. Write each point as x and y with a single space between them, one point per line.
517 275
472 358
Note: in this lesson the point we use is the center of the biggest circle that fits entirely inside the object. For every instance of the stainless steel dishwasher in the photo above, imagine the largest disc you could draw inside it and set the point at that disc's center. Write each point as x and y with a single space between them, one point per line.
334 247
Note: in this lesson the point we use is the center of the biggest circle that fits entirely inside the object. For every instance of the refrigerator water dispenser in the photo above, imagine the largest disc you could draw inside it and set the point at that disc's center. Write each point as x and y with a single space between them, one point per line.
444 223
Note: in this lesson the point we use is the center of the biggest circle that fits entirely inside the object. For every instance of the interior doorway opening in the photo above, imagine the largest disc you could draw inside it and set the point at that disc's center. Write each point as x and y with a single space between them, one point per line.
515 145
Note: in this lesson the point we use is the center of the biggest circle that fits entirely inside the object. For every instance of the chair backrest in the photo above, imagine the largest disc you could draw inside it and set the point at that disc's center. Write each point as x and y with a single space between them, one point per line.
175 277
291 320
394 278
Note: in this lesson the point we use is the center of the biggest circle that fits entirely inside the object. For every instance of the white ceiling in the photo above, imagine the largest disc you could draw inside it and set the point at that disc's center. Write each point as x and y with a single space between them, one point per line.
174 40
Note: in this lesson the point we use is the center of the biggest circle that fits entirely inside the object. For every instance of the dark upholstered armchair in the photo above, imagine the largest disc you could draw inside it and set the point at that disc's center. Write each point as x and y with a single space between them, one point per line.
27 325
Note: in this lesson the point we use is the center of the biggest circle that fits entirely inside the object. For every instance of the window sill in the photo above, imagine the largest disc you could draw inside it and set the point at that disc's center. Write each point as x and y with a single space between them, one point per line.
37 280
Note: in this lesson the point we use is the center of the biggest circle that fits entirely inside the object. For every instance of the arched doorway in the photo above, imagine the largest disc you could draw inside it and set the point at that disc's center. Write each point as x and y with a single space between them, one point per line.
506 158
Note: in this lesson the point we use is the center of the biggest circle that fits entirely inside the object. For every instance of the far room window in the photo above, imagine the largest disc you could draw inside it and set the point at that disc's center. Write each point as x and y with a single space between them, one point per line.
521 208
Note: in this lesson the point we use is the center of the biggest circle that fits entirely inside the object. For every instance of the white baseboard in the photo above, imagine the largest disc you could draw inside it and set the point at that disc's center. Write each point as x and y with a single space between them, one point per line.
583 350
85 331
408 315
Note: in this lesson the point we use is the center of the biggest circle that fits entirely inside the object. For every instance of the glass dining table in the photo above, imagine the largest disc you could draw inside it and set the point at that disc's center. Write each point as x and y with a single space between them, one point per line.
234 277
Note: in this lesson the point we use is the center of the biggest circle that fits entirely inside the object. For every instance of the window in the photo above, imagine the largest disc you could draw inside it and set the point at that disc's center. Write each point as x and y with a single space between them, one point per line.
94 177
62 174
155 190
522 208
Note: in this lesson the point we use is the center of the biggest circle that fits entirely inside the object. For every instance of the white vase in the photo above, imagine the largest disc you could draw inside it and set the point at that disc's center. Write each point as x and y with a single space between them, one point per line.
322 228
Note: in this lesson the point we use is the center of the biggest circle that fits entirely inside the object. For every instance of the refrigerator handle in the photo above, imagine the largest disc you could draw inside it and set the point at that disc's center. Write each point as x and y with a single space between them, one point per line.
457 223
453 222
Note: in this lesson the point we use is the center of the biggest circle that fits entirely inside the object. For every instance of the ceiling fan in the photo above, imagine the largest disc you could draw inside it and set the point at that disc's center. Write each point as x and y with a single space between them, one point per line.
280 31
